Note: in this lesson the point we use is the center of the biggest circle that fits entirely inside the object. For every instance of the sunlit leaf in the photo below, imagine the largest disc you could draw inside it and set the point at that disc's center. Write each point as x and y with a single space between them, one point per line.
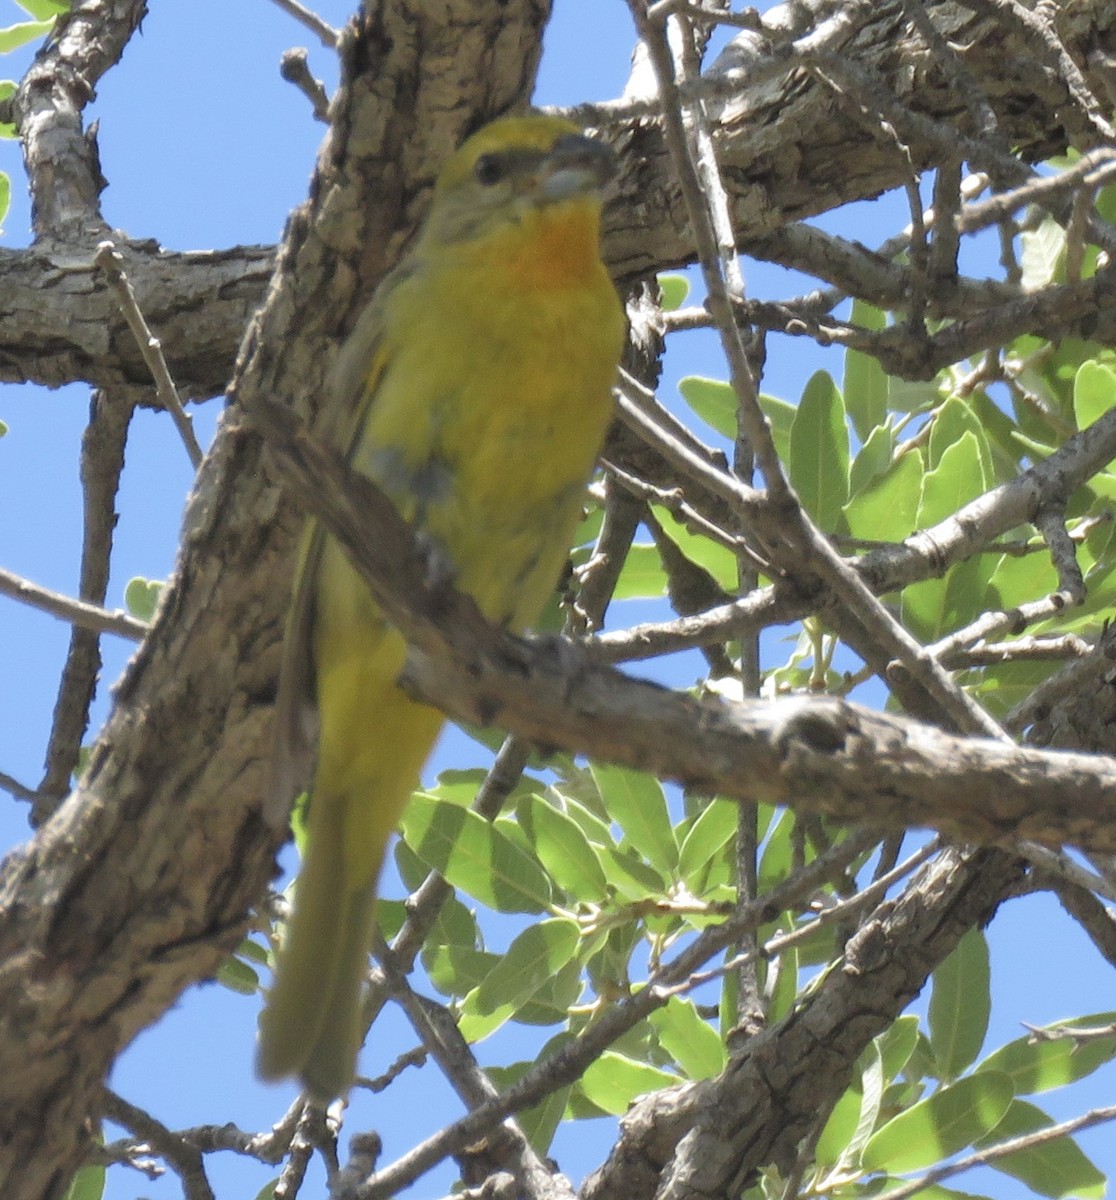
1039 1064
14 36
613 1081
960 1005
1094 393
141 597
636 802
819 451
887 508
472 855
689 1039
563 849
940 1125
673 290
865 381
715 826
537 954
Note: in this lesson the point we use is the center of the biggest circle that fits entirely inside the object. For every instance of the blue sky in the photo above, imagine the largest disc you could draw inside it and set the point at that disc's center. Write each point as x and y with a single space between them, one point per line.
204 146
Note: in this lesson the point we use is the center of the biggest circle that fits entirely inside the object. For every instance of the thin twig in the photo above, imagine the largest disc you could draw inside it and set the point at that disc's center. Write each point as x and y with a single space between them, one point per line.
111 262
1050 521
16 789
326 34
76 612
176 1149
102 461
294 67
1070 679
835 914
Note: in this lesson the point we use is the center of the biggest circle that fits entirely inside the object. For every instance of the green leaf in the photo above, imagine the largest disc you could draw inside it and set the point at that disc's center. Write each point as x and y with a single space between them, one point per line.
14 36
456 970
1056 1168
642 576
951 422
819 451
839 1127
87 1184
673 290
912 396
608 968
933 1191
873 460
238 977
636 802
5 194
715 826
1039 1065
854 1116
872 1082
253 952
781 983
563 849
44 10
551 1004
472 855
955 481
940 1125
775 859
613 1081
718 560
7 130
780 416
141 597
540 1122
999 428
537 954
596 830
689 1039
960 1005
713 400
886 510
1019 578
1094 393
897 1045
865 382
632 878
1057 366
458 786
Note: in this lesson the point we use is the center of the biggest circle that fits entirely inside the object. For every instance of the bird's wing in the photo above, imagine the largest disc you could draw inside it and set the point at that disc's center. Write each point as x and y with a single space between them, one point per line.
351 388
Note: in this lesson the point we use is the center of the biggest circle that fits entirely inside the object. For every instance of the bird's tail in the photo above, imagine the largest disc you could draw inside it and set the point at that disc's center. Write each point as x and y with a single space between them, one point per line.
311 1025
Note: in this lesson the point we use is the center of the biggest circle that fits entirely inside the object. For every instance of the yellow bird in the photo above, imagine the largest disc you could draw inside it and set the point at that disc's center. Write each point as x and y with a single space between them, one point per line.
477 382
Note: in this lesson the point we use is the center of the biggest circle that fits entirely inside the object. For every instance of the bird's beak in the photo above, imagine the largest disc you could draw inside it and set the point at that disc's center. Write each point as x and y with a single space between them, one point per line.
575 165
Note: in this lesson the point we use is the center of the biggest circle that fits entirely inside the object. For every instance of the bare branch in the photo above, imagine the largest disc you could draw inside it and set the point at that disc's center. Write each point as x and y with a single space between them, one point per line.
295 68
326 34
111 262
77 612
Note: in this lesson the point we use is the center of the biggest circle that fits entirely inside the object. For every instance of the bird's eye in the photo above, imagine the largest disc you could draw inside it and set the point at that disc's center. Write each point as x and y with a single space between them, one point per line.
489 169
